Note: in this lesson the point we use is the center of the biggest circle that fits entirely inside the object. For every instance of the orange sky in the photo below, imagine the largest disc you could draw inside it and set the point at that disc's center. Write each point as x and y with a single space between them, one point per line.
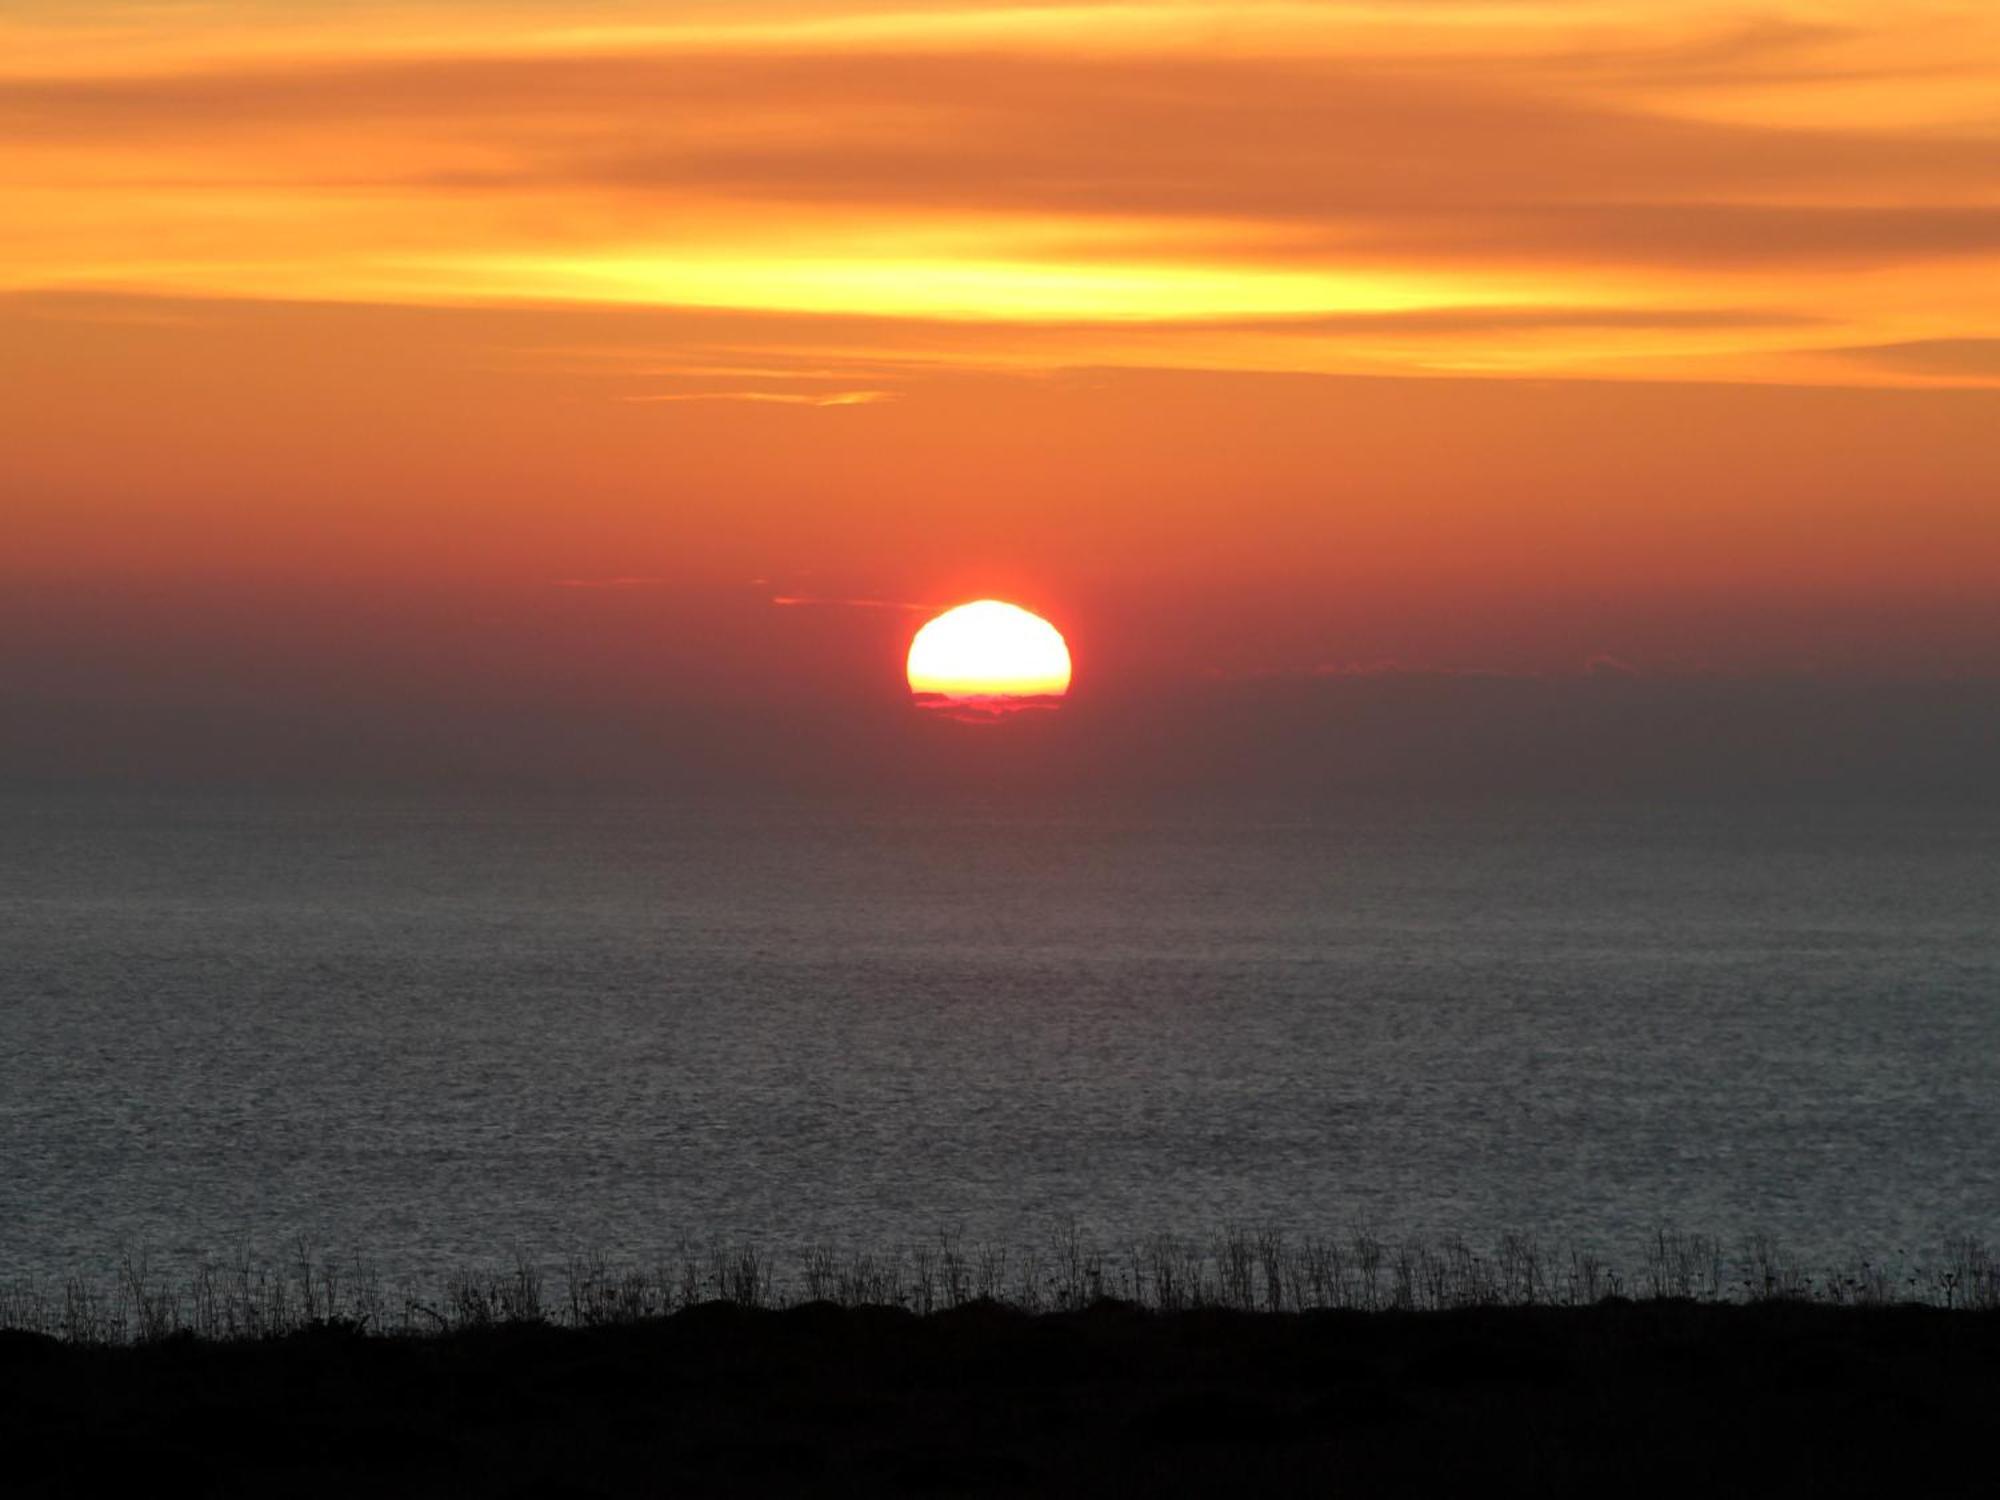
1238 338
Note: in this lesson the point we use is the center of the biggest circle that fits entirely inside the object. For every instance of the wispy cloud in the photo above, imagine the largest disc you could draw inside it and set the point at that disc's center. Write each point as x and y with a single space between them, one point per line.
813 601
774 398
1604 664
1385 667
1972 359
1508 172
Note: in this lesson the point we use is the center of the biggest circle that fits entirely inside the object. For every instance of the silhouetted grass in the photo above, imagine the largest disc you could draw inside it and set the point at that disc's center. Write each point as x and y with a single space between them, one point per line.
1237 1269
1242 1362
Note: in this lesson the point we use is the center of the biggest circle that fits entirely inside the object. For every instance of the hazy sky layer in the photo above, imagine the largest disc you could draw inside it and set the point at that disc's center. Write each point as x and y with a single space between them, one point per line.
669 352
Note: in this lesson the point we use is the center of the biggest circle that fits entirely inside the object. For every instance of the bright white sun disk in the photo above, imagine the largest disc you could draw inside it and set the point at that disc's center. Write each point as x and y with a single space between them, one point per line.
989 649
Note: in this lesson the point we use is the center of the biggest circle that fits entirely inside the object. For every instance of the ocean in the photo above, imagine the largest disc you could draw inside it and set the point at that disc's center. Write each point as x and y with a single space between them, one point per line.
445 1031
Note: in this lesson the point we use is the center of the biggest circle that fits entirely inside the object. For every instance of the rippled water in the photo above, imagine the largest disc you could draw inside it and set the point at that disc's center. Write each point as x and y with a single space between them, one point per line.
439 1032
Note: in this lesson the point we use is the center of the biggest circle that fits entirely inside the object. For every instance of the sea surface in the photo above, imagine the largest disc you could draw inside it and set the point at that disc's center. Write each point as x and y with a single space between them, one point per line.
443 1031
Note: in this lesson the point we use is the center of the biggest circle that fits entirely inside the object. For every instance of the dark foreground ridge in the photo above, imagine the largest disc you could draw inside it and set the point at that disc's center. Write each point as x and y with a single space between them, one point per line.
1661 1397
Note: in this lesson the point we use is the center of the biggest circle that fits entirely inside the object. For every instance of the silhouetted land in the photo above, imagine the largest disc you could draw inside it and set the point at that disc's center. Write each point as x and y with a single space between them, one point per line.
1657 1397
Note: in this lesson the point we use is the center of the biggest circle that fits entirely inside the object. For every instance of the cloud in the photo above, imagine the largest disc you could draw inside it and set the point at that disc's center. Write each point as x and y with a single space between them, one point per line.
1457 320
1452 177
1601 664
1378 669
1974 357
1709 234
779 398
1604 664
610 583
1409 152
810 601
989 710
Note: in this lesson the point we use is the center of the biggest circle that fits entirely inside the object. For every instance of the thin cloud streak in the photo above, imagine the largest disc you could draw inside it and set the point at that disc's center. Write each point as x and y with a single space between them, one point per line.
776 398
810 601
1970 358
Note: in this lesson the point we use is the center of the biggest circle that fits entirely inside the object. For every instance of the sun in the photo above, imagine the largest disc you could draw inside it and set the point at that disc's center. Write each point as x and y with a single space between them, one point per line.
988 655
